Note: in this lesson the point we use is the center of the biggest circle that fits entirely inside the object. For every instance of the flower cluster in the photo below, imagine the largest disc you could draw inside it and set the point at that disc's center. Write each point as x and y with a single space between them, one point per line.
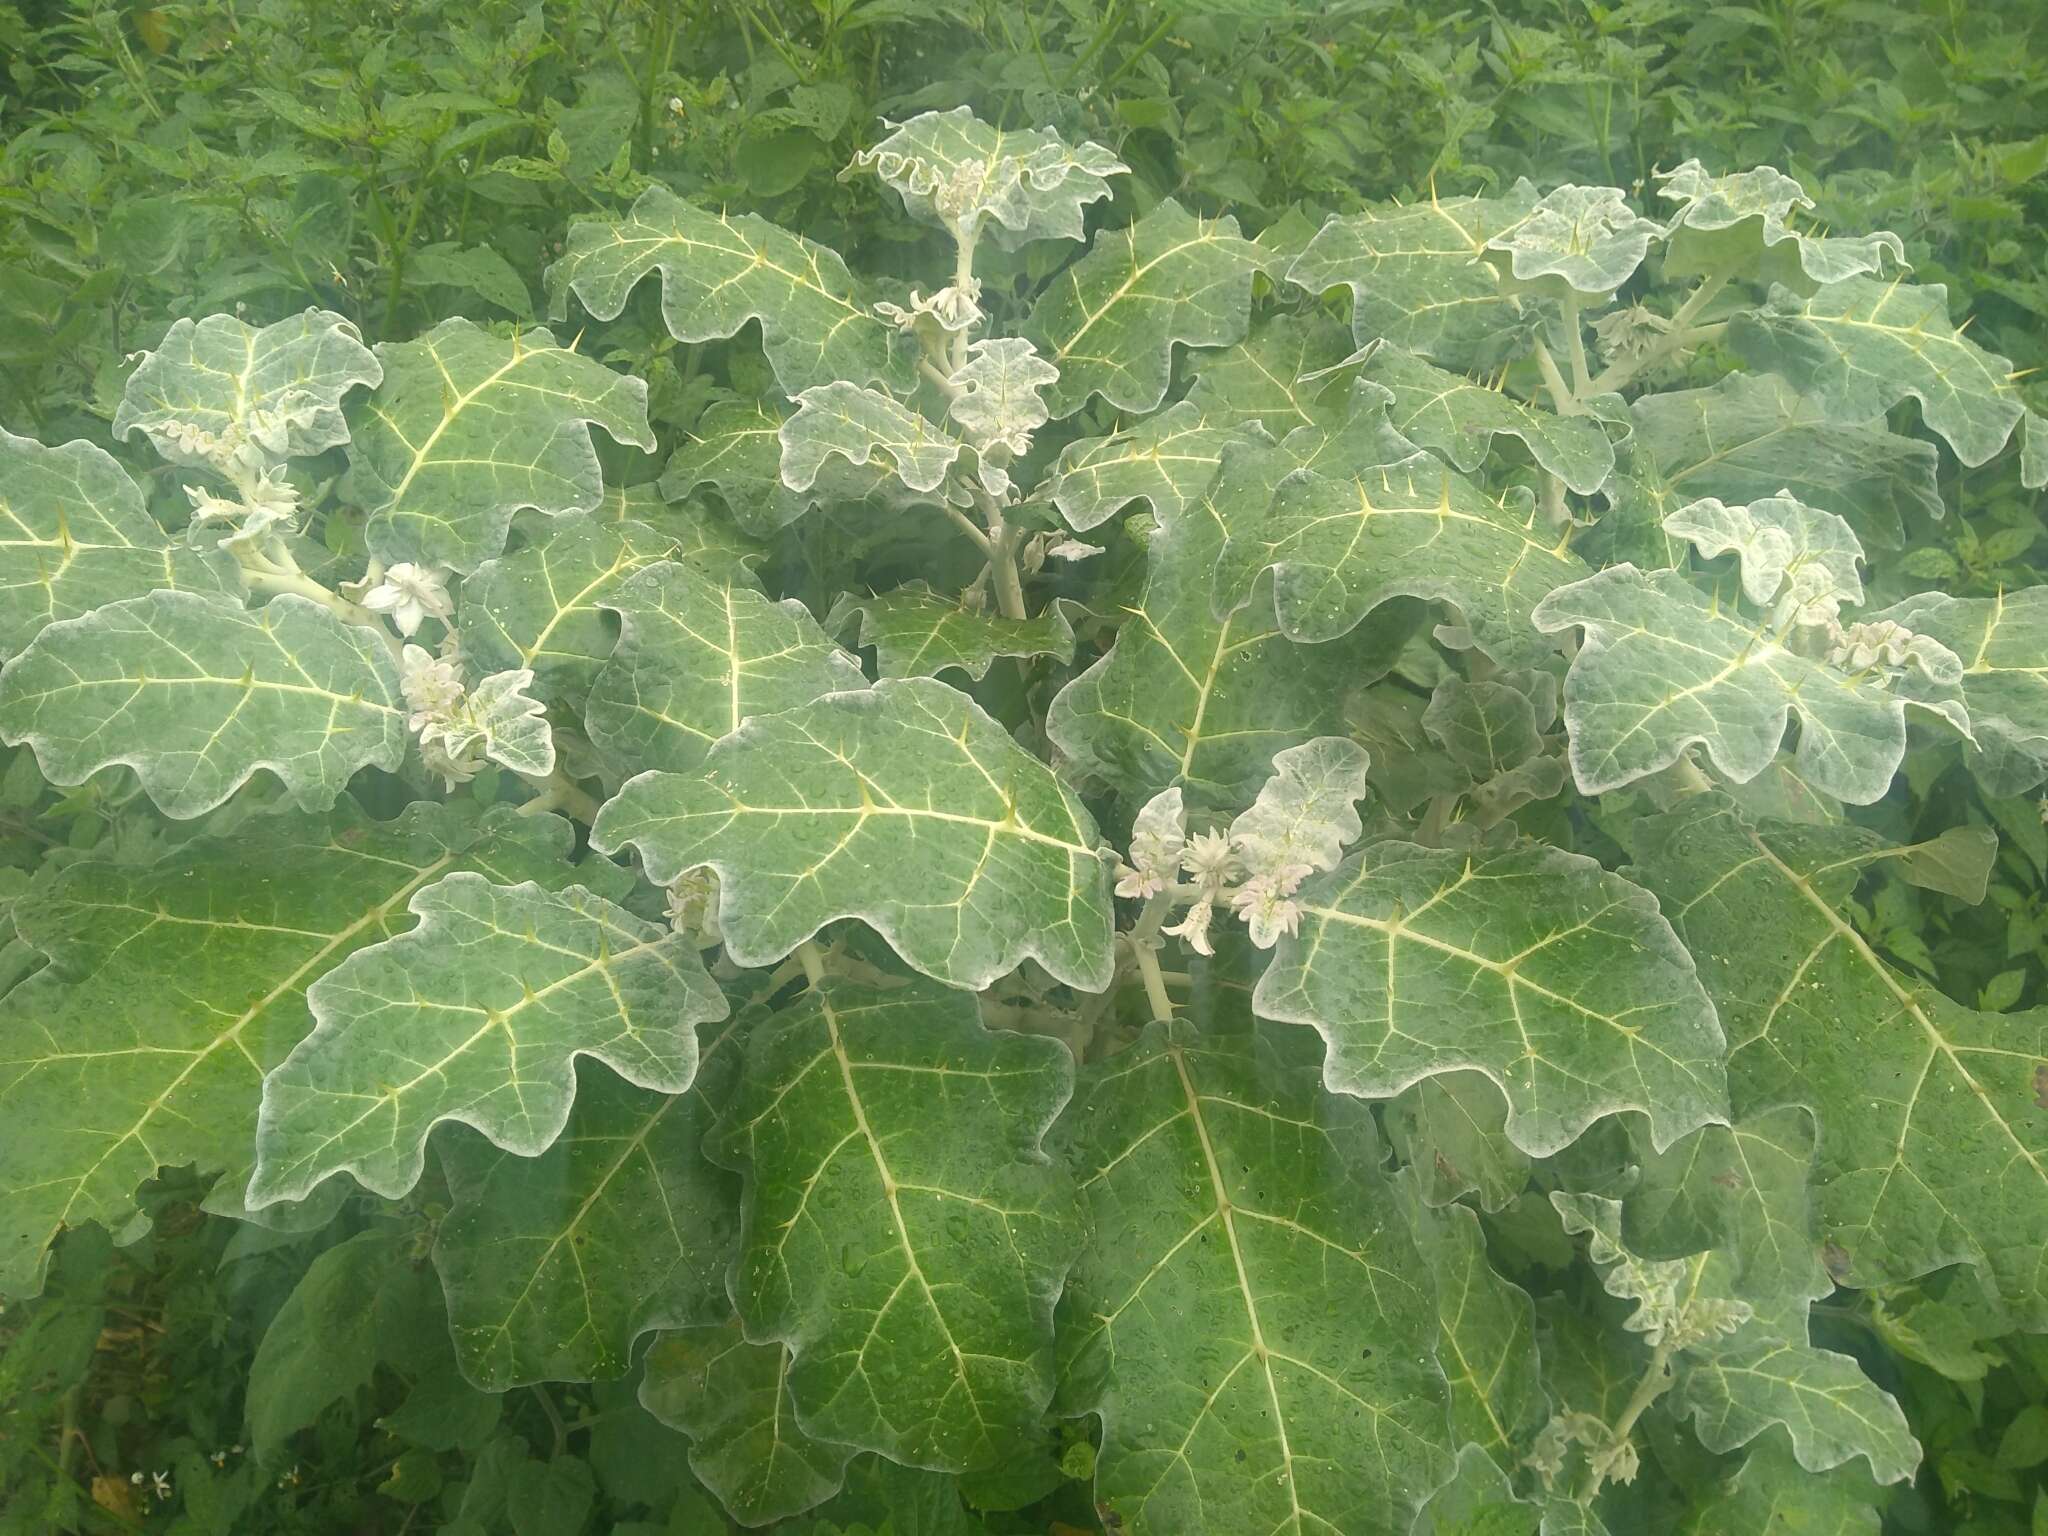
460 728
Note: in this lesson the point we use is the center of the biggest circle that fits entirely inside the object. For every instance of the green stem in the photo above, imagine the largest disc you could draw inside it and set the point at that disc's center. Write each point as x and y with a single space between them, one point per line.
1561 395
1131 59
1656 1381
1620 375
304 586
1575 343
559 792
813 963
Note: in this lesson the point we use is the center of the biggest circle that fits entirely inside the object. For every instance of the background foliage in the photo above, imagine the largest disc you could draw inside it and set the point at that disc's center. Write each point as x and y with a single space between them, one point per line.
398 163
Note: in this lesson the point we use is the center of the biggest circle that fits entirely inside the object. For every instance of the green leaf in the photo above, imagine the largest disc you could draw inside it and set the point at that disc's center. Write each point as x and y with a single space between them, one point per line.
74 534
2003 644
1559 981
703 533
1665 665
1345 537
863 426
902 1232
1187 698
1245 1318
553 1265
1494 725
108 1074
954 170
542 608
1933 1148
1587 239
1284 375
695 659
1418 274
732 1399
1771 1492
478 1014
1450 1127
1110 322
736 448
1168 461
720 271
261 395
476 269
196 693
1777 540
917 632
1861 346
1754 435
1742 223
468 428
1459 419
903 805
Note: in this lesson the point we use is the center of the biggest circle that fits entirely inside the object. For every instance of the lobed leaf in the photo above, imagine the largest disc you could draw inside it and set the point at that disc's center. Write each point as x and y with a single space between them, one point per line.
1587 238
736 448
477 1014
1743 222
863 426
197 693
1167 461
917 632
903 805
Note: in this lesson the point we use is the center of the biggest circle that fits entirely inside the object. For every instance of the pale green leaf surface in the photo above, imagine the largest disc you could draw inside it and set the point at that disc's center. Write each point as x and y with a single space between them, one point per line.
278 387
1168 460
1110 321
1559 981
998 403
917 632
696 657
1665 665
1418 273
1308 810
1459 418
1771 1492
736 448
554 1265
863 426
1243 1243
1587 238
1778 540
1184 697
1754 435
902 1232
1451 1127
2002 642
1493 725
197 693
108 1074
903 805
719 271
1279 377
732 1399
74 534
1019 185
1862 346
469 428
542 607
1933 1149
1742 222
703 531
477 1014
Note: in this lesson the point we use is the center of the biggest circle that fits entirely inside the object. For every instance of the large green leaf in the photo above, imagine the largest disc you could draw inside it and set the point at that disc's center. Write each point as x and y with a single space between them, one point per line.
1459 419
951 168
108 1074
1933 1148
1110 322
863 427
477 1014
1771 1492
902 1232
1418 274
917 632
695 659
1284 375
1665 664
736 448
732 1399
553 1265
1754 435
718 271
903 805
468 428
1248 1314
1167 460
74 534
1347 536
196 693
1862 346
1742 223
1187 698
542 608
1556 979
1577 240
702 530
2003 645
260 394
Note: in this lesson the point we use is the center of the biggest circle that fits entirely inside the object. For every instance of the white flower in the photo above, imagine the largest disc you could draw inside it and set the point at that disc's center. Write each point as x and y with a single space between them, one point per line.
1072 549
454 767
432 686
1264 905
1194 927
411 594
160 1483
693 905
1158 837
1210 860
209 508
952 308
